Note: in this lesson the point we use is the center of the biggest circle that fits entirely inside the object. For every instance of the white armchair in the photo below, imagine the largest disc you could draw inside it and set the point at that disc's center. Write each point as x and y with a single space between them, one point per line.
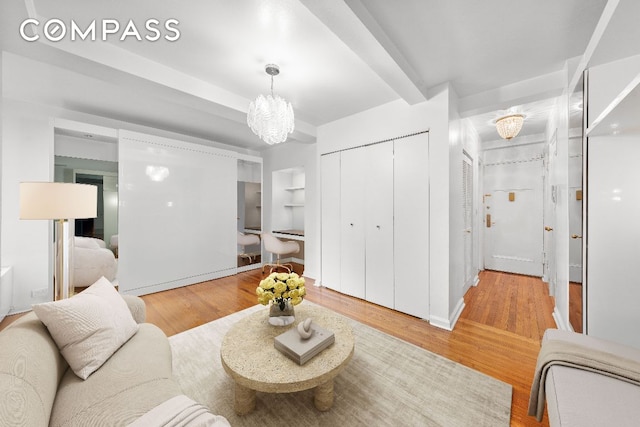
245 240
92 260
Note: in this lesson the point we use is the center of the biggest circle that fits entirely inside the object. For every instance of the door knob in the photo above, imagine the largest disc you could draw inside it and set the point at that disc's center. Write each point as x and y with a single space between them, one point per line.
378 227
575 236
547 228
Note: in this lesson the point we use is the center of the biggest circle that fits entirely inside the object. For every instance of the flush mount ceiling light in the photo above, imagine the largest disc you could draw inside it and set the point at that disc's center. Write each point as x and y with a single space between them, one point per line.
271 117
509 126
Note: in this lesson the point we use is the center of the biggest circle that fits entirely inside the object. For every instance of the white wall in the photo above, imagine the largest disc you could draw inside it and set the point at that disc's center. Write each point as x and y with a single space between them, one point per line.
396 119
27 145
607 81
83 148
290 155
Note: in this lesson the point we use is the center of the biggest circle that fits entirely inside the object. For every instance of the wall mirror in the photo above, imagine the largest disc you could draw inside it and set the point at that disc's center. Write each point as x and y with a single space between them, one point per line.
249 214
575 193
90 158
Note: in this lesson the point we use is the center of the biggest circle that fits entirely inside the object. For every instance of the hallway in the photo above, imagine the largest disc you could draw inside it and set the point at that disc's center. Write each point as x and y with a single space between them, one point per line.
511 302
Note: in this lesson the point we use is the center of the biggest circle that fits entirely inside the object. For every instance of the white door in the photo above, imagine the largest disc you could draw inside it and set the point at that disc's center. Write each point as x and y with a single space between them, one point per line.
513 217
330 211
352 222
467 210
379 224
411 224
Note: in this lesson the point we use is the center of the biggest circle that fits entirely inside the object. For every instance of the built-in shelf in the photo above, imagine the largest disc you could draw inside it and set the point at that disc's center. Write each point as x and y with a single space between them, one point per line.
294 205
294 188
621 115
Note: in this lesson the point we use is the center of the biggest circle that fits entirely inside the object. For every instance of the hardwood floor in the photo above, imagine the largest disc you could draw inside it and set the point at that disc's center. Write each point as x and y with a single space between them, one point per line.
498 332
575 306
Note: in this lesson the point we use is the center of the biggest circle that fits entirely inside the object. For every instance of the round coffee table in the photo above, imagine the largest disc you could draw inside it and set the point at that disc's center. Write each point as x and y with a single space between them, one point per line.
249 357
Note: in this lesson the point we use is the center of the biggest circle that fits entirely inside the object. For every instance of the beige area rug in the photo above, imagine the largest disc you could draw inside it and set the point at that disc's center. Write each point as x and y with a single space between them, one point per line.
388 382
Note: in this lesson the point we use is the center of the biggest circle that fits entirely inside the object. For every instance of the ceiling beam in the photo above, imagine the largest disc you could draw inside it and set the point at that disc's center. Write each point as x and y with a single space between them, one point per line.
536 89
353 24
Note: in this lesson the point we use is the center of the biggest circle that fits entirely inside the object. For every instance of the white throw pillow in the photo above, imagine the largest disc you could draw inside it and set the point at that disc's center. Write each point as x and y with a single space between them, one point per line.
88 327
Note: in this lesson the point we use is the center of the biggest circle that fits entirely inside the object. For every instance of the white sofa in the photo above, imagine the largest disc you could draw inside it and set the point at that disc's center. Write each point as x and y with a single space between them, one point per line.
135 386
586 381
92 260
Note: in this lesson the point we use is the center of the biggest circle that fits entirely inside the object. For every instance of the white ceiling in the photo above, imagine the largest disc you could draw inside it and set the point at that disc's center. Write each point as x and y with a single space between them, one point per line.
336 57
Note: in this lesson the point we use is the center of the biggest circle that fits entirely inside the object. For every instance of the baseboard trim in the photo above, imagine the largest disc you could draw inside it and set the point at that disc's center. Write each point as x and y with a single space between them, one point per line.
450 323
559 322
249 267
178 283
457 312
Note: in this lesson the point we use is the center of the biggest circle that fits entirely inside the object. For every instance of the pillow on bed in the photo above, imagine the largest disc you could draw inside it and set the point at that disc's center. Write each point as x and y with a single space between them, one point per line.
88 327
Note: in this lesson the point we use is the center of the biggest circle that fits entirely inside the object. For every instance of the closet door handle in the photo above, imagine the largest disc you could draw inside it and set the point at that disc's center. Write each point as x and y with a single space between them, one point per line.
378 227
351 224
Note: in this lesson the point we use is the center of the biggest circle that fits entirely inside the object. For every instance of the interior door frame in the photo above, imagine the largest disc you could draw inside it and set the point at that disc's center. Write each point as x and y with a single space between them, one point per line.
550 200
468 282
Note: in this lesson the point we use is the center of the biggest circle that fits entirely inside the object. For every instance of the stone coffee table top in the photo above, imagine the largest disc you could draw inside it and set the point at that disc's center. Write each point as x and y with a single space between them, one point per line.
249 357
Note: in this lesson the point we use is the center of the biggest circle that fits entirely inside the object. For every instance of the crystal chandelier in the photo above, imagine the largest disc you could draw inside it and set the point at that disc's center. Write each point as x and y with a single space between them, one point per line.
509 126
271 117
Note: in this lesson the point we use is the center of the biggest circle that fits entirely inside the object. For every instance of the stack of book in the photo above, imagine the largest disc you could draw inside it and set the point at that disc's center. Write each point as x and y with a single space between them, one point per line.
300 350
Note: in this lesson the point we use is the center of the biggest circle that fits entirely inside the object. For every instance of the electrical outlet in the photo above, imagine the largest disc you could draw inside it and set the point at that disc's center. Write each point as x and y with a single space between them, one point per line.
39 293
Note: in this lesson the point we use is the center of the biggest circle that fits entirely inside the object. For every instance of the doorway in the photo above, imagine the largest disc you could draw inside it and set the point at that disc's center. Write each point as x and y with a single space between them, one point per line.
513 209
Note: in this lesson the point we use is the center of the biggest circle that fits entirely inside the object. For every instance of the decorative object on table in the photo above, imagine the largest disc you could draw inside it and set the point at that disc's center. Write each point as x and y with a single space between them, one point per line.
281 291
304 329
300 349
271 117
60 202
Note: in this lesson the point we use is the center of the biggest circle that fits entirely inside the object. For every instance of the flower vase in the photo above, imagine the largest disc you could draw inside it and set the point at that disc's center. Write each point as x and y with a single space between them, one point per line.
281 313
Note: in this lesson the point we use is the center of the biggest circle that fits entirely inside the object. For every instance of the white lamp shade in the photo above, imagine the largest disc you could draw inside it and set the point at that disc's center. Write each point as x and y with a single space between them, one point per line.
57 200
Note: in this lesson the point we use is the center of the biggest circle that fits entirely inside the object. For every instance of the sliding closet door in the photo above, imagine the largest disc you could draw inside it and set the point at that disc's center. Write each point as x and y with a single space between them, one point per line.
330 175
612 289
352 227
411 225
177 213
379 223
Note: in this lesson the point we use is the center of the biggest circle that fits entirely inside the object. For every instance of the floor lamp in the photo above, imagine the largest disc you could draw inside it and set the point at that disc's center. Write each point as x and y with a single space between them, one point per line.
60 202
